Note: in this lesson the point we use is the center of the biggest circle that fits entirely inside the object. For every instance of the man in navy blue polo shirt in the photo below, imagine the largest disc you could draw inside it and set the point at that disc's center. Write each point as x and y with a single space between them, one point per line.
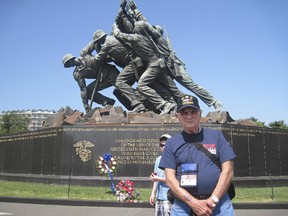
199 186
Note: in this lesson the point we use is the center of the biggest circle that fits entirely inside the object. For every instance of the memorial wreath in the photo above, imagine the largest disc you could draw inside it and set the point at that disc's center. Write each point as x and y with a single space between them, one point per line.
106 162
125 192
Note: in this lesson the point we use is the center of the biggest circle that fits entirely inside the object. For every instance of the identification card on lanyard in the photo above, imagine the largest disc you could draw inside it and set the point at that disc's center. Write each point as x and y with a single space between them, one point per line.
189 175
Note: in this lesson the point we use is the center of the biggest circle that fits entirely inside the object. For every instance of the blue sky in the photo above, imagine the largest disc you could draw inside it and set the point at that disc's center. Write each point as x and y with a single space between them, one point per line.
237 50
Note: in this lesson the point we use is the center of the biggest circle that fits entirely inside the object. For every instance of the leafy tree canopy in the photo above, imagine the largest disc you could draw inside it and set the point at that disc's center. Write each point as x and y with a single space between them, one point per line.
259 123
279 124
13 123
276 124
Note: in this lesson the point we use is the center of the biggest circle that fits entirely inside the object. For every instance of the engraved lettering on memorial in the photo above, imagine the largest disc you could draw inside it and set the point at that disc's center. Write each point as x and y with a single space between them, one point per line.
242 132
28 135
136 151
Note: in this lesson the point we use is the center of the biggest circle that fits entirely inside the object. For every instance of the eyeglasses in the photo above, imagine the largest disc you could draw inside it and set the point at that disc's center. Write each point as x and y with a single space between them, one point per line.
188 112
161 145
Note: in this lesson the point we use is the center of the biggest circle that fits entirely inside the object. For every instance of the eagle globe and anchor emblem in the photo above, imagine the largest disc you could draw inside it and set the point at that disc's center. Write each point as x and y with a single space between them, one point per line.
82 150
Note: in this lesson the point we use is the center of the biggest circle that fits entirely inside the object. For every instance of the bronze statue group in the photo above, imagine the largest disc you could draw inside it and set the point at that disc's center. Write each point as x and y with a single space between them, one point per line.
144 54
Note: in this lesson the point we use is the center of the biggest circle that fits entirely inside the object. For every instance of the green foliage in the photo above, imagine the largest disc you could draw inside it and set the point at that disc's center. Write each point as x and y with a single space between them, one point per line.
279 124
276 124
50 191
279 194
37 190
259 123
13 123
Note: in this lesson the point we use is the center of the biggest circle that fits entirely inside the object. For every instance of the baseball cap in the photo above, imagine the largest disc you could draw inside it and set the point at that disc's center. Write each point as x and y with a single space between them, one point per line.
187 101
167 136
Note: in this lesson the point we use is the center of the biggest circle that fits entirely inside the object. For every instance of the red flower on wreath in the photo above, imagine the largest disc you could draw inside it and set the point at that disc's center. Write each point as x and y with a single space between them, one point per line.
125 192
126 185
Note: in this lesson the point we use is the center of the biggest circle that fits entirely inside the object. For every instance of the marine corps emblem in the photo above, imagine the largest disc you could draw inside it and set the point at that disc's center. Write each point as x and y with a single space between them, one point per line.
82 150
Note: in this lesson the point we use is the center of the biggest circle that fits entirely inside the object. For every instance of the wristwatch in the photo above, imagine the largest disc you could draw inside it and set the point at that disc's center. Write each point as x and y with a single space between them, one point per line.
215 199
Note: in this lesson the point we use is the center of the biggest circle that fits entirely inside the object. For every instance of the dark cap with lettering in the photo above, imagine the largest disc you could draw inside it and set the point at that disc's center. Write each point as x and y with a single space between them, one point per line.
187 101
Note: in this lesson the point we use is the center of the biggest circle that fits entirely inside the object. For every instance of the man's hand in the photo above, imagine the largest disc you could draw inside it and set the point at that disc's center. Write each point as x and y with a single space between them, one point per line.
154 177
202 207
132 5
152 198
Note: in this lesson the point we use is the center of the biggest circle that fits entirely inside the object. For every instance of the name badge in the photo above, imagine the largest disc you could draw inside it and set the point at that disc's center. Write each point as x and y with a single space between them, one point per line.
189 175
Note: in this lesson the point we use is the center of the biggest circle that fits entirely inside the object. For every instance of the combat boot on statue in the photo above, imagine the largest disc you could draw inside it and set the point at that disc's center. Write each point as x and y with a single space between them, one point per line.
168 107
110 102
140 108
217 105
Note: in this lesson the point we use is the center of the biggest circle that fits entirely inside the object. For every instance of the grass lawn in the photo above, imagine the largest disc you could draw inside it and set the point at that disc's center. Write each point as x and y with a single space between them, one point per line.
37 190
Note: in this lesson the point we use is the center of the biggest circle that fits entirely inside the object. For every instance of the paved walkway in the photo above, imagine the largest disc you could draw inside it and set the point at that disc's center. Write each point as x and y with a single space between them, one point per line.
24 209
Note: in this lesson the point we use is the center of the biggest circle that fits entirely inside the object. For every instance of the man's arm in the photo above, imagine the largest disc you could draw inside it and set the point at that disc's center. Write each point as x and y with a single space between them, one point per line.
225 179
200 207
102 55
153 192
88 49
157 179
127 38
136 13
82 85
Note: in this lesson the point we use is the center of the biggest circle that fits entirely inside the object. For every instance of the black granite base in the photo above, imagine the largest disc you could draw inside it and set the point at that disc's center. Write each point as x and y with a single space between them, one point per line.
75 149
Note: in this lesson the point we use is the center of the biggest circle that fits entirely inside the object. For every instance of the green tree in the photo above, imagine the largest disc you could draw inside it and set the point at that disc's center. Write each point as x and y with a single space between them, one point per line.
279 124
259 123
12 123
